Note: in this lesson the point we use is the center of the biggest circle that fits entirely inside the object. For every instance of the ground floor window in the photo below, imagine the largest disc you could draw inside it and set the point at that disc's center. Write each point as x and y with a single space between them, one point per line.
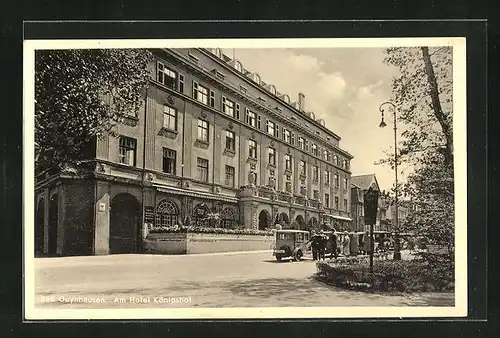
227 218
167 214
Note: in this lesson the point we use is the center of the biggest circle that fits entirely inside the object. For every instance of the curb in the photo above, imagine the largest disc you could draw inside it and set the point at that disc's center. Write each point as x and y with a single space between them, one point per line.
144 255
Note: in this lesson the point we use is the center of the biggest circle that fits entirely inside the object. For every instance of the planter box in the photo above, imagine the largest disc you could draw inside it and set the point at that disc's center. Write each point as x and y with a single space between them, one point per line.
170 244
193 243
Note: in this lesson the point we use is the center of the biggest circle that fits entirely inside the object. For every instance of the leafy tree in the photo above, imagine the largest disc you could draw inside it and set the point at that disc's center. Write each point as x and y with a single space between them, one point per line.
422 93
83 94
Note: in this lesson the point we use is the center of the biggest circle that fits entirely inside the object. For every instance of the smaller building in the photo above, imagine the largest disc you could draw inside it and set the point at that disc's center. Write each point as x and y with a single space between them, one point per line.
387 214
357 208
360 185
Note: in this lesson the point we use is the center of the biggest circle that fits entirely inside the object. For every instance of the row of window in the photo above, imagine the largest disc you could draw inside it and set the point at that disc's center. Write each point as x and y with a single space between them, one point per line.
127 155
206 96
167 215
326 202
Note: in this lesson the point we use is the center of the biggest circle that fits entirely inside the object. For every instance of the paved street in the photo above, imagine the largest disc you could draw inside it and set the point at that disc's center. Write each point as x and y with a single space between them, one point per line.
209 280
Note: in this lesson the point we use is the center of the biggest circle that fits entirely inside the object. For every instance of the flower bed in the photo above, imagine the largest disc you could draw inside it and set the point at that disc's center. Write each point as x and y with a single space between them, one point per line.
209 230
388 275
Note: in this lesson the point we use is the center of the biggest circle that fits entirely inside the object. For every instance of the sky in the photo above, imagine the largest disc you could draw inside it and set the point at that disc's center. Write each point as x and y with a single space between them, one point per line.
343 86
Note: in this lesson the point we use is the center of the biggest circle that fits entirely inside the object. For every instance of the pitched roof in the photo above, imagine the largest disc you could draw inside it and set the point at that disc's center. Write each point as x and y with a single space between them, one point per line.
364 181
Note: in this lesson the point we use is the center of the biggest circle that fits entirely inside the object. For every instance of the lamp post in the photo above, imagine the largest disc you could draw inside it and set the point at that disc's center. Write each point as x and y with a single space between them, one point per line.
397 247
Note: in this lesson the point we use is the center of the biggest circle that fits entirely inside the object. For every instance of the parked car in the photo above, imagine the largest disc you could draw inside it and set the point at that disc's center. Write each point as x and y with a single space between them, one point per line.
291 244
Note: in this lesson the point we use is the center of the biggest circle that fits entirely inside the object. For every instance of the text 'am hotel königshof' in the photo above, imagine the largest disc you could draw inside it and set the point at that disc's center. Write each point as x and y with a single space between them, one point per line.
211 136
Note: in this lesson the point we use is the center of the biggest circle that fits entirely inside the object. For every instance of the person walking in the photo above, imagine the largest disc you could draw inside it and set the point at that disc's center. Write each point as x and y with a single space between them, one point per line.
367 243
332 241
315 244
322 245
354 244
346 241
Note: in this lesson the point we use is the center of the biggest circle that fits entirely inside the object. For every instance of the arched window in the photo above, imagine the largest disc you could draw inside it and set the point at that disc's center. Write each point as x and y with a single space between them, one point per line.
167 214
257 78
286 98
272 89
238 66
227 217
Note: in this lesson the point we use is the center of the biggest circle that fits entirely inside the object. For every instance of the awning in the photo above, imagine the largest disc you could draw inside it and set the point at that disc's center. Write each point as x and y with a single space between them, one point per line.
339 217
199 194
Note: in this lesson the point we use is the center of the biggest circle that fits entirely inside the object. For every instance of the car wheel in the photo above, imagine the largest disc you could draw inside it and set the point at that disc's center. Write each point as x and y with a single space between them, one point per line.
278 258
298 255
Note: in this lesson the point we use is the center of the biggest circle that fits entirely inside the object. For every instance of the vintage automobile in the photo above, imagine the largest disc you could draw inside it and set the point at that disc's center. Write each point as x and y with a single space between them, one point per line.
291 244
382 241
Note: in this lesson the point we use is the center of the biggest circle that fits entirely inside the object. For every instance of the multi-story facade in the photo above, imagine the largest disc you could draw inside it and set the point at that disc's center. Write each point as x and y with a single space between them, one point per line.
383 221
357 208
210 137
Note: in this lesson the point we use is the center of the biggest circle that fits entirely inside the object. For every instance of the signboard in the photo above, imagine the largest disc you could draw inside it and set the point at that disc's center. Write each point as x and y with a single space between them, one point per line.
149 214
371 206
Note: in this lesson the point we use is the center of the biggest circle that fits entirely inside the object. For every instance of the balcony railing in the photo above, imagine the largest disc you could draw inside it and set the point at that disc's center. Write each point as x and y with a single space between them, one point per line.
284 197
299 200
314 203
264 192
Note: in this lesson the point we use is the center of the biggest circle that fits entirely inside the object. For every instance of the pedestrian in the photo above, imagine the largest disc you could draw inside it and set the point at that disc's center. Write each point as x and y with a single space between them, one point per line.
346 241
354 244
332 241
367 243
322 245
315 244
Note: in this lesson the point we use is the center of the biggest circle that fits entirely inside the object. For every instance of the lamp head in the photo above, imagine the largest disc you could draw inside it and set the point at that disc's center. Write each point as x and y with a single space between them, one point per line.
382 124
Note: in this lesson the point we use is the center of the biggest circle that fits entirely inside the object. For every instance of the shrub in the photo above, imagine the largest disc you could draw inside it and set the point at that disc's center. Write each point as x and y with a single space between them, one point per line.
388 275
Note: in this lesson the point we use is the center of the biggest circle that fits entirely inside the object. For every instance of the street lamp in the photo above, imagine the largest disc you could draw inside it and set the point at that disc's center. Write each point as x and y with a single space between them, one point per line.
397 247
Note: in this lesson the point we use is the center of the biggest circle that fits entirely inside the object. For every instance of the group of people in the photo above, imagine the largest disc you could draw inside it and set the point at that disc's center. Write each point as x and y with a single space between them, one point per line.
321 244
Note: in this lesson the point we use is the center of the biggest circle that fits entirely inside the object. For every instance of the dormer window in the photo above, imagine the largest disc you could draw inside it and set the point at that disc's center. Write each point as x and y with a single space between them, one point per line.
257 78
286 98
238 66
272 89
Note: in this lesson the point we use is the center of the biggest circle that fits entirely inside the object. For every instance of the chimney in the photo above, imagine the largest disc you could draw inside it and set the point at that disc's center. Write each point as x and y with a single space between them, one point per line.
302 101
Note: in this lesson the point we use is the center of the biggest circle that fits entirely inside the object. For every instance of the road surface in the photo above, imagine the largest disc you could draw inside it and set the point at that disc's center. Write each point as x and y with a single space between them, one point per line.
208 280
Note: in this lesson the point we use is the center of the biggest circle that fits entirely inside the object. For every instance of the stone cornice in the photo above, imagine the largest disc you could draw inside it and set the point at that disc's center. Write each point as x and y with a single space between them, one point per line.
179 59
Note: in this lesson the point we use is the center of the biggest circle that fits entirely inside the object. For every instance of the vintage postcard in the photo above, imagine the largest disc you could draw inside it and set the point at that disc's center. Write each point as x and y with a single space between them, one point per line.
245 178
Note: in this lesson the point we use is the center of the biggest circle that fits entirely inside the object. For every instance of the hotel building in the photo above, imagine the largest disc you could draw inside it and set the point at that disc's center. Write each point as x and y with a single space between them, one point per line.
211 137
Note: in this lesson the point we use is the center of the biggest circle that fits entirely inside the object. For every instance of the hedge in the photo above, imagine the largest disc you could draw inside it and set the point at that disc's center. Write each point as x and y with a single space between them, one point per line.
388 275
209 230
